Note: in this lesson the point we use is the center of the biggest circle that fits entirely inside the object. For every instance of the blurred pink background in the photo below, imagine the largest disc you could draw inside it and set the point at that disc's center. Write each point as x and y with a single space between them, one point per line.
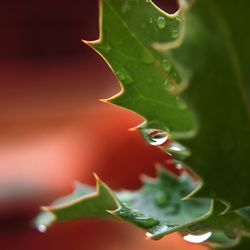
53 129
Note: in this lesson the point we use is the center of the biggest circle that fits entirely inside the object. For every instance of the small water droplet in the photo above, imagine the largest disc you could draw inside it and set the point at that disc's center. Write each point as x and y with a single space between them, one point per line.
41 228
161 199
157 137
159 232
181 103
125 7
146 221
147 57
106 48
177 150
137 213
148 235
151 20
197 238
166 65
147 1
178 18
124 76
121 75
161 22
175 33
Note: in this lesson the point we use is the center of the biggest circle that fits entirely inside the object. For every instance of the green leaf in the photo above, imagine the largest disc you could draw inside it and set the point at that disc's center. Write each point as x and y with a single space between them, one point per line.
130 32
84 202
158 207
215 48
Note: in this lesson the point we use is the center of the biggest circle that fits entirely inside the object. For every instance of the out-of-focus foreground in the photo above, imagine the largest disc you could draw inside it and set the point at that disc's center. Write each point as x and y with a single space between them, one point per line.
53 129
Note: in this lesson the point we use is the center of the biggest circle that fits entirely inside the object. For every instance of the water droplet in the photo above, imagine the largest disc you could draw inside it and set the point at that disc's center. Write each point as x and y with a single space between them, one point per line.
158 233
156 137
148 235
161 199
197 238
41 228
177 150
146 221
175 33
106 48
166 65
125 7
181 103
178 18
151 20
137 213
121 75
147 1
161 22
147 57
124 76
173 209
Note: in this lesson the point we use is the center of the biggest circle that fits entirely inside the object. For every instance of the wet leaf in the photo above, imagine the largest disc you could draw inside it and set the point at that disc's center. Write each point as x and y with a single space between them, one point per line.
158 207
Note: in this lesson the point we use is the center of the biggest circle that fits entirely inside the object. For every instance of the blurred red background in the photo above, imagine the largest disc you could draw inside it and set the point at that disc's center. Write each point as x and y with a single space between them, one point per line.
53 129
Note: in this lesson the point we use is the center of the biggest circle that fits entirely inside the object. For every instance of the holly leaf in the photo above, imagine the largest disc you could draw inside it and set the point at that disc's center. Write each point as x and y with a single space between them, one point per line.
129 33
159 207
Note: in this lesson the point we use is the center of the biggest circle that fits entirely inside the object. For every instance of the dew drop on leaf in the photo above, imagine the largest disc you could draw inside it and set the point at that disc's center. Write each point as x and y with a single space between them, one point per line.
181 103
156 137
121 75
166 65
161 22
106 48
124 76
159 233
192 238
161 199
41 228
146 222
125 7
177 150
175 33
151 20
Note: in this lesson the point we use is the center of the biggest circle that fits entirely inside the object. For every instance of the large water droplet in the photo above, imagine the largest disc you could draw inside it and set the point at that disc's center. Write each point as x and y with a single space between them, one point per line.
157 137
161 22
166 65
41 228
197 238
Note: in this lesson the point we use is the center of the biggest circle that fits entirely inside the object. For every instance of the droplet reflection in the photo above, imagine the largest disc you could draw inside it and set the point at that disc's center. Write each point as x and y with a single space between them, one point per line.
41 228
157 137
197 238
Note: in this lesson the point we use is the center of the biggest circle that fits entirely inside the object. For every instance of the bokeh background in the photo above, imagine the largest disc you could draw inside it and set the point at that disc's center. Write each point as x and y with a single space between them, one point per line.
53 129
